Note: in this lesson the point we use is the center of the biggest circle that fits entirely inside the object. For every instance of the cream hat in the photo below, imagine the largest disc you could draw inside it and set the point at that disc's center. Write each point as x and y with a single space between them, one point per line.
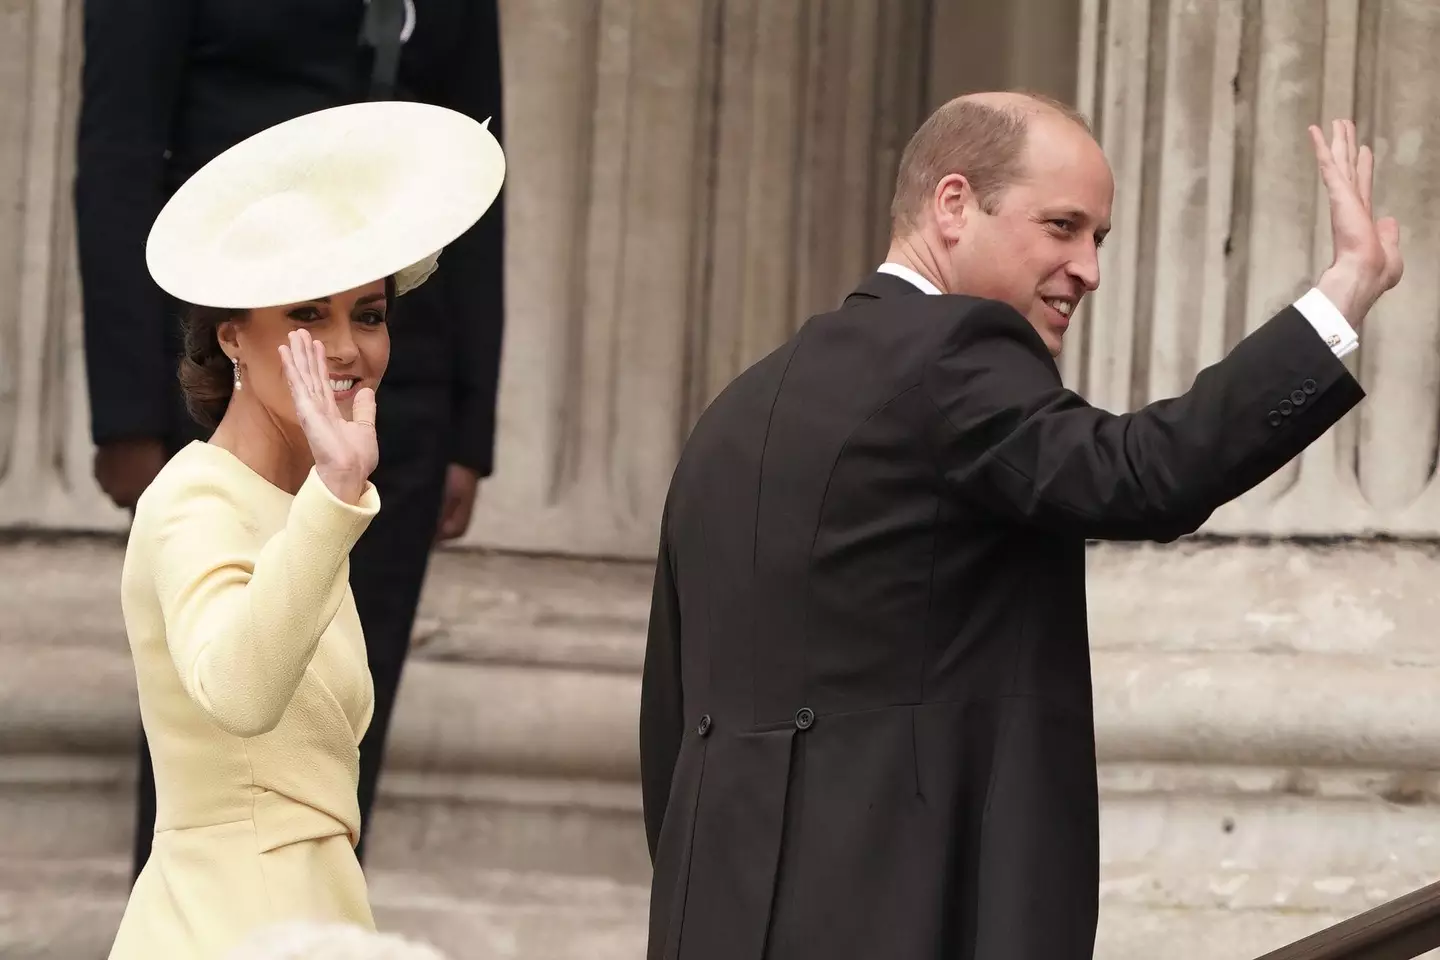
324 203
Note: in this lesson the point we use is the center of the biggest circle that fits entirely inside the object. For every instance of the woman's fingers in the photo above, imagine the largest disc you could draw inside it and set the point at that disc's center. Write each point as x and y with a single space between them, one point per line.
300 355
364 407
322 370
314 372
293 375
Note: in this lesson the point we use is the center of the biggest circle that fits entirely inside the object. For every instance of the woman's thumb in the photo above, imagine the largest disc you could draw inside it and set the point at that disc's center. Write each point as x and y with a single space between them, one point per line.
363 408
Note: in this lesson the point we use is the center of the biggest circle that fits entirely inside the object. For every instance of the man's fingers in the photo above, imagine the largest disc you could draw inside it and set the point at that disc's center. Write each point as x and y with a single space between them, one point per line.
1351 155
1388 229
1339 152
1322 153
1365 176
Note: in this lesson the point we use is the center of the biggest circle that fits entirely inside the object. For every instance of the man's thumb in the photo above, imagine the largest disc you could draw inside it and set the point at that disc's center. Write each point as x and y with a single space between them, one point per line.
364 406
1389 230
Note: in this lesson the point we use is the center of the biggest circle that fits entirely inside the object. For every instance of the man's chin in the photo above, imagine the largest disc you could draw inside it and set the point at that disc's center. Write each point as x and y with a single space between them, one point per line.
1054 336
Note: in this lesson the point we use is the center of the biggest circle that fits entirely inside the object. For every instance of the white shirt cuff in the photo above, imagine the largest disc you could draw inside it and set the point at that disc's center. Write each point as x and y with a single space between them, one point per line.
1337 333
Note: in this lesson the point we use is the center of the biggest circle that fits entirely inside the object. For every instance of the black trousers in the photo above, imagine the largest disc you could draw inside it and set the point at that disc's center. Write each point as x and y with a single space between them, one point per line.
387 571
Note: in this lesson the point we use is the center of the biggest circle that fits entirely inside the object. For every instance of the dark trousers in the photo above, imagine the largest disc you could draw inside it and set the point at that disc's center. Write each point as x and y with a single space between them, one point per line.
387 571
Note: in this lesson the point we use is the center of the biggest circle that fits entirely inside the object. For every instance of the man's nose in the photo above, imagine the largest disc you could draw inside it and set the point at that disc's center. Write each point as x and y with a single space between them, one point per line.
1086 267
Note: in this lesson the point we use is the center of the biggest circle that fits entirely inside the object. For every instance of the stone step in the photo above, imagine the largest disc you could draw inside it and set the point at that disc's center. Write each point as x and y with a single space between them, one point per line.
79 808
1267 726
1273 656
69 910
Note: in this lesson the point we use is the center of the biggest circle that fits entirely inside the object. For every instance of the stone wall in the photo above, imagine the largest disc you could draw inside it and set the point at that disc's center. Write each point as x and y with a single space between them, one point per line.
673 212
671 209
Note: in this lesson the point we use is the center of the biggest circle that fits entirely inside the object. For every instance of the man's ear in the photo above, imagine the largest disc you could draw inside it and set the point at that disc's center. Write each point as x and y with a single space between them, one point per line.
952 203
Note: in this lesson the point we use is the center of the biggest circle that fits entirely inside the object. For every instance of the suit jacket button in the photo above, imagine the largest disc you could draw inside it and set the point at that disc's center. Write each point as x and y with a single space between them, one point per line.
804 718
1297 397
1274 418
1308 386
1285 406
704 728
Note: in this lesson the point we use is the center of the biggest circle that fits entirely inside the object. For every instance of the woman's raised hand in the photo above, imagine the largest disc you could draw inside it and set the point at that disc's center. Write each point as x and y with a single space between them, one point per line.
345 451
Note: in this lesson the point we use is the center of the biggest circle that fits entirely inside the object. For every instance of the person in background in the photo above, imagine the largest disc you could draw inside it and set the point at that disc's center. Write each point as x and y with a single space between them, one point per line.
169 84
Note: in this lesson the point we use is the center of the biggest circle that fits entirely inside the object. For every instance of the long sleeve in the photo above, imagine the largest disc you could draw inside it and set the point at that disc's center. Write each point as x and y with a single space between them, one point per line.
1011 439
242 626
133 69
473 267
662 708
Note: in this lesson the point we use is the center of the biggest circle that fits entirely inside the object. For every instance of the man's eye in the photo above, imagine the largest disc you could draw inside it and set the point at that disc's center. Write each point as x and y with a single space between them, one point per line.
1066 225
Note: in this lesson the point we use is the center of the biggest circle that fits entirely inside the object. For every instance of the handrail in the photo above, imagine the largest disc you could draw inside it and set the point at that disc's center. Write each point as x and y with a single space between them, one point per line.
1402 929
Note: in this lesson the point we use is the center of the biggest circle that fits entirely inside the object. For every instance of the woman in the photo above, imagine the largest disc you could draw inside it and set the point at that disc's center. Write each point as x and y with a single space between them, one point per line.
249 656
166 86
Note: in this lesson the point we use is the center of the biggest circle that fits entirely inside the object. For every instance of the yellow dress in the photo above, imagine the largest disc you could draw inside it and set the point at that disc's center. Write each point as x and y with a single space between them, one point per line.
254 692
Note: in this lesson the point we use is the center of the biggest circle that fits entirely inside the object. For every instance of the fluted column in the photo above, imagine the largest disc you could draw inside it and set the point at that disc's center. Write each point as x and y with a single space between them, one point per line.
1220 220
1400 352
44 436
692 181
689 181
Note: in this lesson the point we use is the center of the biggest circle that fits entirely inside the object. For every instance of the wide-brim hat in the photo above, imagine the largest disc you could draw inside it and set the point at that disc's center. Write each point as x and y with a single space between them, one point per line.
324 203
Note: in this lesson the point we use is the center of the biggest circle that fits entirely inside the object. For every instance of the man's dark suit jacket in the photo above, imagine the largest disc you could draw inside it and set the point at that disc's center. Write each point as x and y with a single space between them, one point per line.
866 725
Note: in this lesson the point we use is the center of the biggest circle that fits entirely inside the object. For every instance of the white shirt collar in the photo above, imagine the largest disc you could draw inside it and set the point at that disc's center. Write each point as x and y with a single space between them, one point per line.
905 273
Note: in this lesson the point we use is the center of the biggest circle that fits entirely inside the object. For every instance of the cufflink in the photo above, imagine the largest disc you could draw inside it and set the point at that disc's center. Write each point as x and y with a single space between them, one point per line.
1333 340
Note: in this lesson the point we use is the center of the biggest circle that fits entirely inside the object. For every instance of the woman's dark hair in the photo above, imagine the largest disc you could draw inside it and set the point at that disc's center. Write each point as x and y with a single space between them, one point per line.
207 377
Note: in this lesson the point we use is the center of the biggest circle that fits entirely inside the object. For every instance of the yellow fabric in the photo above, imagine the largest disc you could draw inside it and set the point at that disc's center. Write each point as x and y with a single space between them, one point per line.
254 692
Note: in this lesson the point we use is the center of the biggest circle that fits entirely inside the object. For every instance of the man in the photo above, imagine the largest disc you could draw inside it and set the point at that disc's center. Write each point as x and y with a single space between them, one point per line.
866 724
169 84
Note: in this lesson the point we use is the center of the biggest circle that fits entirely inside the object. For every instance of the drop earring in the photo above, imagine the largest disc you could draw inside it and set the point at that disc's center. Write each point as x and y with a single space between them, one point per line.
237 374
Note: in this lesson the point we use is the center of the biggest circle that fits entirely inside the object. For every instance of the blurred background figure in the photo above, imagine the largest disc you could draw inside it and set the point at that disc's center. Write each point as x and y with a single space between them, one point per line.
325 941
169 84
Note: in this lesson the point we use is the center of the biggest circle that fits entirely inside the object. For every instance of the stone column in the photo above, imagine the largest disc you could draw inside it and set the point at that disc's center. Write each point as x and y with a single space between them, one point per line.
691 182
44 433
1020 44
1400 352
1220 220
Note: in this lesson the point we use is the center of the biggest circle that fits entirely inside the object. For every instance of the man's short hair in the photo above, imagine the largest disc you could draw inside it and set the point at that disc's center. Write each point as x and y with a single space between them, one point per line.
982 141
